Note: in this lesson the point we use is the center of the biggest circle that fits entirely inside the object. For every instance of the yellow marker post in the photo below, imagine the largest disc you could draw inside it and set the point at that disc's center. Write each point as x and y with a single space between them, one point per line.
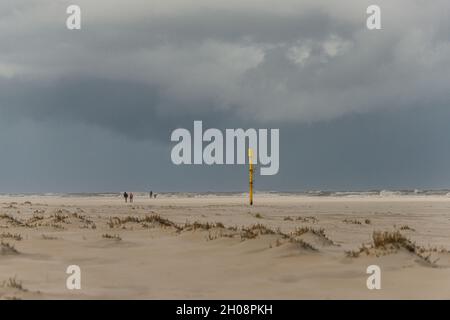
250 161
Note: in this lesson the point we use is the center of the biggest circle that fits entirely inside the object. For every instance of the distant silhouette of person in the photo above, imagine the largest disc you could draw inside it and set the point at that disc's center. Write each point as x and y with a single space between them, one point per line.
131 196
125 195
155 195
151 194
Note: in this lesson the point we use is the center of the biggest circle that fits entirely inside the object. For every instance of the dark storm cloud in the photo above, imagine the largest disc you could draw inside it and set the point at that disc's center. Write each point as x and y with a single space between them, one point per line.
139 69
128 108
300 61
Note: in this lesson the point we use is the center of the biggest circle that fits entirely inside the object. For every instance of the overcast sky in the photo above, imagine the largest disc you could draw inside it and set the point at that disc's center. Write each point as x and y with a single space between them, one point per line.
93 109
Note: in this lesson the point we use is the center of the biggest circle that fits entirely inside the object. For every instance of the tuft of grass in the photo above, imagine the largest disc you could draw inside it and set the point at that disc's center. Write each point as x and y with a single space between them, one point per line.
54 221
58 217
303 244
354 221
220 234
56 226
11 220
47 237
255 230
406 227
389 241
367 221
112 236
258 216
202 226
220 225
13 236
34 219
153 220
245 232
318 232
14 284
395 238
309 219
7 249
82 218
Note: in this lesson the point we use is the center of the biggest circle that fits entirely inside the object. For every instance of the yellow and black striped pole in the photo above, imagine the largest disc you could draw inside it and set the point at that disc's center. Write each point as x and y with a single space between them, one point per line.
250 161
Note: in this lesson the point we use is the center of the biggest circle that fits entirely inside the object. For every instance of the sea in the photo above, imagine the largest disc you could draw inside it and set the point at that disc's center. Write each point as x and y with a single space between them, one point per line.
312 193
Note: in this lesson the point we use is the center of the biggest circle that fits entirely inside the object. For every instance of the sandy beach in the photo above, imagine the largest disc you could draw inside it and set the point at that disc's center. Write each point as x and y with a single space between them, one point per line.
218 247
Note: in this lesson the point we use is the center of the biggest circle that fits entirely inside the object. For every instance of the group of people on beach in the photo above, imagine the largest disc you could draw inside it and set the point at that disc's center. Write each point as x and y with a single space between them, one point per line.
130 195
126 196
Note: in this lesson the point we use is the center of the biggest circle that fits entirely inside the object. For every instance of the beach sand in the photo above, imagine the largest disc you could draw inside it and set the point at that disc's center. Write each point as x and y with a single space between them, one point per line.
217 247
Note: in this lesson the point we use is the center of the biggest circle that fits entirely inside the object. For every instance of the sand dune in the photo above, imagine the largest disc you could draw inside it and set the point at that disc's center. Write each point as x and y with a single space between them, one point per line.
218 247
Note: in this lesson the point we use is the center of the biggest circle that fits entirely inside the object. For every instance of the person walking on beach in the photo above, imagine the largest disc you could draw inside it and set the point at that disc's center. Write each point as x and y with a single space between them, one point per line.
125 195
151 194
131 196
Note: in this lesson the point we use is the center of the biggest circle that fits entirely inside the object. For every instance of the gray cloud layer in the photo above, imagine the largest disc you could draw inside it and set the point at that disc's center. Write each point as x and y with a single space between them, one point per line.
300 61
143 68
